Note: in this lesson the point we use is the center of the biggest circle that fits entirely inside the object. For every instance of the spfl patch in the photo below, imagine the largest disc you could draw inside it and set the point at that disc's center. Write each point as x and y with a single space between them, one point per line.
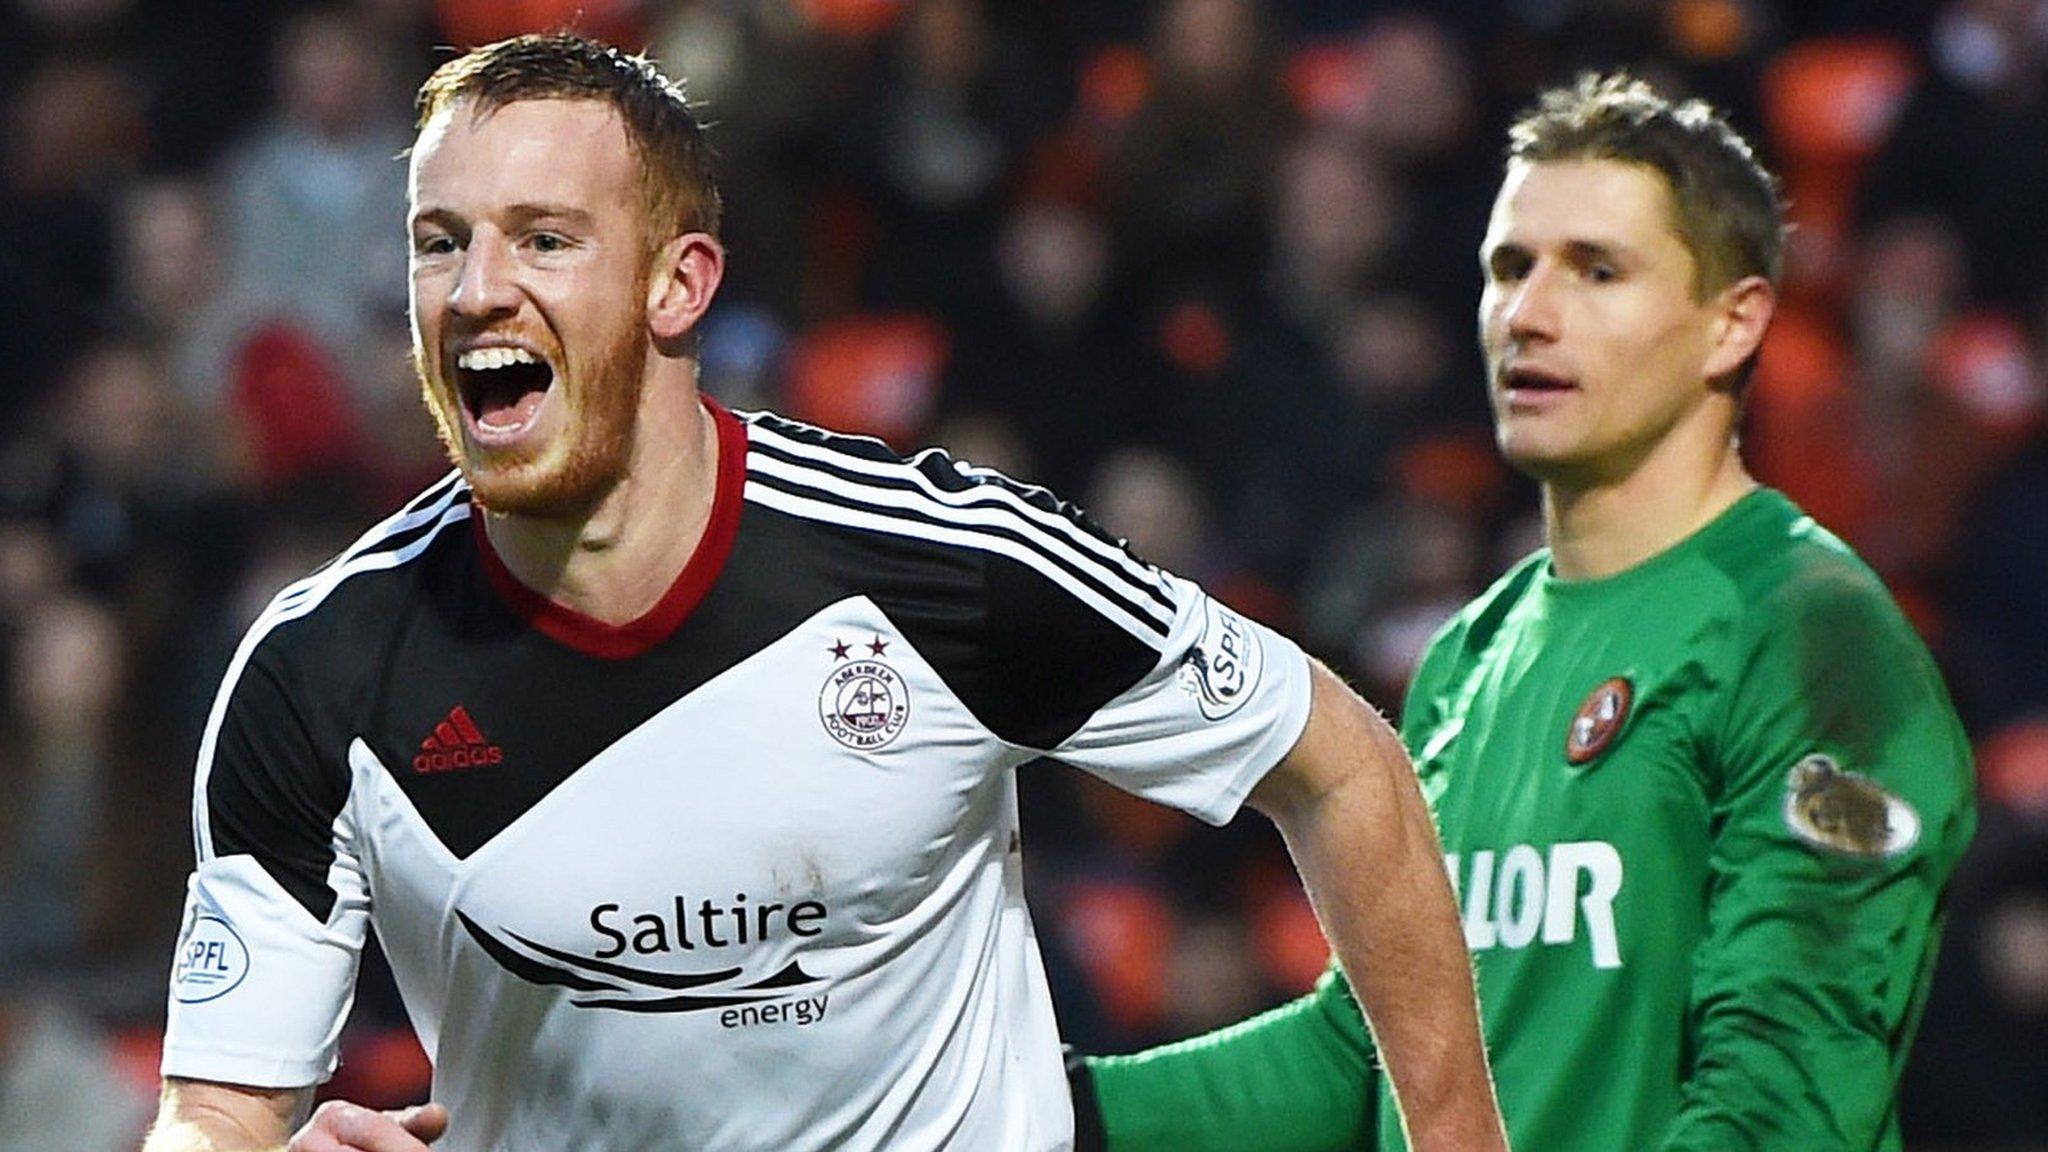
1847 813
212 961
1222 669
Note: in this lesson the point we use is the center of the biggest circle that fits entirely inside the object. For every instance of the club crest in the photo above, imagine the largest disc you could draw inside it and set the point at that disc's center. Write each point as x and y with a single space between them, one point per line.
864 704
1847 813
1598 721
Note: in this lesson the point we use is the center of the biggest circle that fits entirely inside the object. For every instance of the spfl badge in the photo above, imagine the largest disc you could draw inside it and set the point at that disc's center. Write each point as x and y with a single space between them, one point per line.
1847 813
1598 721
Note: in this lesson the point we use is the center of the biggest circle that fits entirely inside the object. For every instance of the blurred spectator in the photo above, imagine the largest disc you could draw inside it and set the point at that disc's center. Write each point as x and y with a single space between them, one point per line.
1213 978
947 113
72 132
1982 1055
1339 402
173 286
1052 357
873 374
128 483
1340 218
59 1087
316 197
2001 597
1972 145
1188 175
1147 498
986 441
1381 585
66 677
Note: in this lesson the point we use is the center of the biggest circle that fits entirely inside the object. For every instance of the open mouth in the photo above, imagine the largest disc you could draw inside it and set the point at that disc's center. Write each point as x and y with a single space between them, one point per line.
502 387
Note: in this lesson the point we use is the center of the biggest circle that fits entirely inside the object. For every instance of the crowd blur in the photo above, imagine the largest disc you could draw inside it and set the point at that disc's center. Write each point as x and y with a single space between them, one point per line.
1207 266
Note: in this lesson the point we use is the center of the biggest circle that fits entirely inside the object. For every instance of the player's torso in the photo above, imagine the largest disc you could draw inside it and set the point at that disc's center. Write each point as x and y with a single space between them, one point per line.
1564 758
718 893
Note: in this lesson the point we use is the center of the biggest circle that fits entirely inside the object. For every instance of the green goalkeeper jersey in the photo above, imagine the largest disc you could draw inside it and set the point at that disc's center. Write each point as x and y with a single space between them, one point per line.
1699 814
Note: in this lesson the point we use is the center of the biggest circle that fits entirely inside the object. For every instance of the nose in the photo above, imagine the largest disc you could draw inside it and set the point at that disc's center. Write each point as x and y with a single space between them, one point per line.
486 286
1532 306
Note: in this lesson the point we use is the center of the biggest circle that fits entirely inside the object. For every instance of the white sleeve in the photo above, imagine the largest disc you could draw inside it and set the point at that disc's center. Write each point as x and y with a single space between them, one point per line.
277 909
1226 700
259 989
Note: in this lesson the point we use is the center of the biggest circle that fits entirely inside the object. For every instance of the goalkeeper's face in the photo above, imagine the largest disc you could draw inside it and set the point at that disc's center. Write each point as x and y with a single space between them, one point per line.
1602 357
529 299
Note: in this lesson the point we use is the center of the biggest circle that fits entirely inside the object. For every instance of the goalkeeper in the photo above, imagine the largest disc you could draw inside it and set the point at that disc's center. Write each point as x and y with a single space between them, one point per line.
1700 785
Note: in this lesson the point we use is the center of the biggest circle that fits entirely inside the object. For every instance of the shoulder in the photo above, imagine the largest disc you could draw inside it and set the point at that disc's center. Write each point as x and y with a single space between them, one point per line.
1795 581
930 510
1475 624
789 455
1817 642
322 620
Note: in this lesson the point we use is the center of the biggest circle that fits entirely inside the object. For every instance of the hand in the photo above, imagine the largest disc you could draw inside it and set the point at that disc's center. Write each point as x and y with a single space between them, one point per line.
339 1126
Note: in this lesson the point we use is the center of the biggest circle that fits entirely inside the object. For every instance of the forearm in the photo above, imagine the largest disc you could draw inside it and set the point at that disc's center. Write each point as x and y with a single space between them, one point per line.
1299 1078
1779 1088
195 1116
203 1136
1368 852
1805 1016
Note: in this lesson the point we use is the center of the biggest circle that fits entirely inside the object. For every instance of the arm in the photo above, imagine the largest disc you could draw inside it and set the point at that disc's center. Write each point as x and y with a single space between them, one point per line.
1826 883
200 1116
1346 800
1299 1078
277 911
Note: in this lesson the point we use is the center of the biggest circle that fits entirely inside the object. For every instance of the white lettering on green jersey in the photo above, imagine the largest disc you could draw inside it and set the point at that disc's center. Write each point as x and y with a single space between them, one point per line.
1511 899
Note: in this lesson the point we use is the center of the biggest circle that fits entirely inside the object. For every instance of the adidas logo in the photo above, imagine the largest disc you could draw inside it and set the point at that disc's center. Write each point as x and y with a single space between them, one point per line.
456 743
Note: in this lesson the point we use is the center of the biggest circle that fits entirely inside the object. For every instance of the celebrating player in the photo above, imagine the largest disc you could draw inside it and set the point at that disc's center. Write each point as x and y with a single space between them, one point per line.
1699 784
670 751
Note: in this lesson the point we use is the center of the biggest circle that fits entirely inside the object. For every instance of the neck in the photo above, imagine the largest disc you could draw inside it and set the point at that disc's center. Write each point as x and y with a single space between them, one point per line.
617 562
1601 529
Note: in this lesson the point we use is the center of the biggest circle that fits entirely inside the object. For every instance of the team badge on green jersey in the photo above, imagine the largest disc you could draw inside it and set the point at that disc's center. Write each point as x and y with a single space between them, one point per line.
1846 812
1598 721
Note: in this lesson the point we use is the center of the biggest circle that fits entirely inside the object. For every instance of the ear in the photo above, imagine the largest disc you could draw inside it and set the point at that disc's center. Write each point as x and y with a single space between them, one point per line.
684 277
1743 311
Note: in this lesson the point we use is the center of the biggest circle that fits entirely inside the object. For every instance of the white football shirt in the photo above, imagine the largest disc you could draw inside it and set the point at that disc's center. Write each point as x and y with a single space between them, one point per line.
741 874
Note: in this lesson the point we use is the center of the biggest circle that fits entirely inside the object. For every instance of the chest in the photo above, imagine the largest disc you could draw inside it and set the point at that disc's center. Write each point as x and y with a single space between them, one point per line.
1571 769
676 812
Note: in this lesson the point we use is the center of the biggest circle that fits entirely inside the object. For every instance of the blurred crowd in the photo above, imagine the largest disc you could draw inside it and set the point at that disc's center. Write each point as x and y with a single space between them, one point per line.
1206 266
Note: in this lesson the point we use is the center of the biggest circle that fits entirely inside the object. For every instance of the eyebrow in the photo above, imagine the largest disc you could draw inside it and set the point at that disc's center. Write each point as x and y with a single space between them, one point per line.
518 215
1585 250
1575 251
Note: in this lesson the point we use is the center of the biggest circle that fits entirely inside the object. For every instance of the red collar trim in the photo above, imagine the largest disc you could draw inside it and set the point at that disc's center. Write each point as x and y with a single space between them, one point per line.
635 637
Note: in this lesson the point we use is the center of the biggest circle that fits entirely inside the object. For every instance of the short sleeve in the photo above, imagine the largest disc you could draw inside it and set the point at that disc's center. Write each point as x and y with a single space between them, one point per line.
1224 699
276 910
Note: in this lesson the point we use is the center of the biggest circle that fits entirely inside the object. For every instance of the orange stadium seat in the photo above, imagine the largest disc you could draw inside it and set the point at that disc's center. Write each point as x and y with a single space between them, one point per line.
877 375
468 23
1828 105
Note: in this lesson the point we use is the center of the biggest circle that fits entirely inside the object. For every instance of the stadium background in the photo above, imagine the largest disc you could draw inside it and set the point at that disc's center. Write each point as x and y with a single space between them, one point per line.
1205 265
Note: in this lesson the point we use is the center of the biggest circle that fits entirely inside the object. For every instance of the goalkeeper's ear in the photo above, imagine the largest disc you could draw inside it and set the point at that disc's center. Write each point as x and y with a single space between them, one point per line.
1088 1132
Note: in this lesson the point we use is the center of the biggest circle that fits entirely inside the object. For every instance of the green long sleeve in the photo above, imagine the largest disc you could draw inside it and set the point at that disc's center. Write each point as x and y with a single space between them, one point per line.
1300 1078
